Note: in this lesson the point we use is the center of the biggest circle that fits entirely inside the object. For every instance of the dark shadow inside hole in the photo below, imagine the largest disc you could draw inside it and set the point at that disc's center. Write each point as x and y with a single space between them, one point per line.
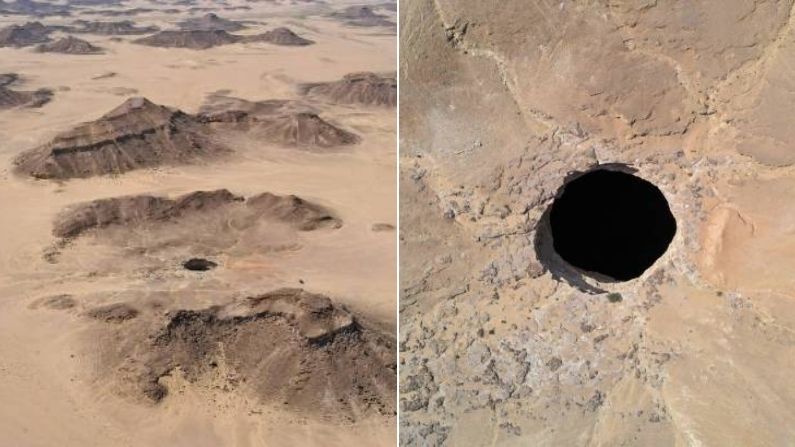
199 264
609 224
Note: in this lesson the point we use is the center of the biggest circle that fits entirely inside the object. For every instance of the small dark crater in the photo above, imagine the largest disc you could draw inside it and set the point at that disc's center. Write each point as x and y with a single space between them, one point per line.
199 264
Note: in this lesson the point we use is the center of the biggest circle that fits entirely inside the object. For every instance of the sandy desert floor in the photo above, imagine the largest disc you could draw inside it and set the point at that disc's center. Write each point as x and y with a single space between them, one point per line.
49 392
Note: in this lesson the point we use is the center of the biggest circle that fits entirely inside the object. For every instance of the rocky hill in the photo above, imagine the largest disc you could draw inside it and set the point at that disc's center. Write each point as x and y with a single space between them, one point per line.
203 39
362 16
131 211
194 39
357 88
284 347
118 28
136 134
210 22
69 45
10 98
30 33
280 36
33 8
280 122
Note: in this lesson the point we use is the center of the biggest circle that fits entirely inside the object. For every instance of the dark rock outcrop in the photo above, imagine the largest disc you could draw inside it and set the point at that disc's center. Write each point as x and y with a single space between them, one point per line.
305 129
69 45
129 210
280 36
203 39
194 39
362 16
219 103
146 209
288 347
119 28
33 8
96 2
30 33
210 22
8 79
135 135
299 129
10 99
358 88
293 210
284 122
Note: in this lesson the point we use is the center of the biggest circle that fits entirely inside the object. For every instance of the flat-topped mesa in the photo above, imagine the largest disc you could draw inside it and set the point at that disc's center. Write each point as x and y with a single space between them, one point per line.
30 33
135 135
69 45
145 209
288 346
193 39
280 36
210 22
118 28
357 88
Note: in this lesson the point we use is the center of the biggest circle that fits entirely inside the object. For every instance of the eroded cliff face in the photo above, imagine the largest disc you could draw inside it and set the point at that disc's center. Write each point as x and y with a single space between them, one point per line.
502 342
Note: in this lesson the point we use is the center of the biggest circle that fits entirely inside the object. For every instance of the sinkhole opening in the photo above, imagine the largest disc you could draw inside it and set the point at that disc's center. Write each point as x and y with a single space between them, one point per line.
199 264
611 223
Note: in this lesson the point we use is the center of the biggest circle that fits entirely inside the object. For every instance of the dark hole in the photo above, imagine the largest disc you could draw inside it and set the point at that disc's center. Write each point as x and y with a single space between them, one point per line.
611 223
199 264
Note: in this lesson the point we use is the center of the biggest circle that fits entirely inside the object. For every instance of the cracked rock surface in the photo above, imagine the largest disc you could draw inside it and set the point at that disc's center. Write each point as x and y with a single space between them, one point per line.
503 343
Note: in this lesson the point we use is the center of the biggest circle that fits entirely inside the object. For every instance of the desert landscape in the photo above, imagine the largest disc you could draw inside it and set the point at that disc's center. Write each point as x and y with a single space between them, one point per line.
198 236
524 126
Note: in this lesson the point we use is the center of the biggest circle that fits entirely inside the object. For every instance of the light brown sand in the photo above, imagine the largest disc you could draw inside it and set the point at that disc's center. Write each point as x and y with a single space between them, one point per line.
500 104
46 396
